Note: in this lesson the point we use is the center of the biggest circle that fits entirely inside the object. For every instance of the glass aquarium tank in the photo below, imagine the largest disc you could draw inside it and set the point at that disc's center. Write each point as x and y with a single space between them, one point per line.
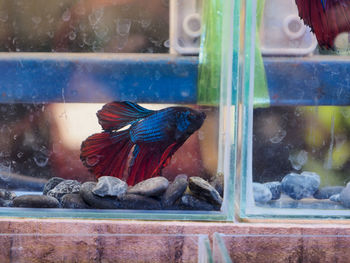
295 121
102 116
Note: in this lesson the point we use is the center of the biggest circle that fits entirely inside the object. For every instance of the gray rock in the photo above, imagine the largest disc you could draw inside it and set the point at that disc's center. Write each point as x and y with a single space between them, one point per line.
344 197
327 192
202 189
63 188
51 184
36 201
110 186
275 188
218 183
6 194
6 203
74 201
96 201
155 186
190 202
262 193
175 190
299 186
335 198
132 201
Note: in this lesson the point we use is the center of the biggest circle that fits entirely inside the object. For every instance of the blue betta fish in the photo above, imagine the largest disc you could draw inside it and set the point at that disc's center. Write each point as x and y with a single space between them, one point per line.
154 137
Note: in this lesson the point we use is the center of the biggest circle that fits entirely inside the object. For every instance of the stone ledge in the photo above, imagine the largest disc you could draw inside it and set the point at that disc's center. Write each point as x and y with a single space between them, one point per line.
71 241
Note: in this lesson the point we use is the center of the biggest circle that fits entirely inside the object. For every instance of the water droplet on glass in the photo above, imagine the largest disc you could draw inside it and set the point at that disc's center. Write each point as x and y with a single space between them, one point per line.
167 43
145 23
72 35
66 15
298 159
41 160
3 16
5 170
157 75
19 155
101 31
278 137
50 34
96 16
15 137
123 27
36 20
92 160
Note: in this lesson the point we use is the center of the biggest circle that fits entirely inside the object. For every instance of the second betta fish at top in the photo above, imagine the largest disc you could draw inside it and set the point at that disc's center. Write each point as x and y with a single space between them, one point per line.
154 136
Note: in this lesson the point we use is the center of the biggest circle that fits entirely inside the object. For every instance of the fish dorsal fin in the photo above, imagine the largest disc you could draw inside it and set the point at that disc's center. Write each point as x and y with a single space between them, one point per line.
115 115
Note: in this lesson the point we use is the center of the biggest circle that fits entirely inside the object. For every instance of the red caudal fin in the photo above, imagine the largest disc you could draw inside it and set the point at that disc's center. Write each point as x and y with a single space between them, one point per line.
146 158
106 154
166 157
116 115
148 161
327 18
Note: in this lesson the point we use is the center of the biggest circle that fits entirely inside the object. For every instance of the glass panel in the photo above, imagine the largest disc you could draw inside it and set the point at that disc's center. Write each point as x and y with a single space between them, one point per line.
274 248
296 97
104 248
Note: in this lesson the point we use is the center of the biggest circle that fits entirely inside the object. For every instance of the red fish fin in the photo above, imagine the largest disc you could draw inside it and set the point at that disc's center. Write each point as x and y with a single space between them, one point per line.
166 157
106 154
115 115
146 158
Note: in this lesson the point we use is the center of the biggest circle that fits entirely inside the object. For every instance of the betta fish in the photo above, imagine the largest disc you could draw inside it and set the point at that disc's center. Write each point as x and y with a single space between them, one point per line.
326 18
152 136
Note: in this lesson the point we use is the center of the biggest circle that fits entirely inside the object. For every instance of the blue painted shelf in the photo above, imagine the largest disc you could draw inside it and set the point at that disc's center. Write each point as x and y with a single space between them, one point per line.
316 80
91 78
62 77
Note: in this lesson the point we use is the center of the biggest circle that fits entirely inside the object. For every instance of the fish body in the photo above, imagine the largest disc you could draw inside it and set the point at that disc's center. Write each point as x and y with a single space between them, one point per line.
326 18
153 137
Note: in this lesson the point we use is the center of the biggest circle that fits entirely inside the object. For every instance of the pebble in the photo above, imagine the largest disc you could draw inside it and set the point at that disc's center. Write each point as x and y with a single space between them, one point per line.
298 186
73 201
96 201
335 198
6 203
344 197
36 201
155 186
6 194
275 188
63 188
175 190
218 183
110 186
201 188
327 192
191 202
51 184
6 198
133 201
262 193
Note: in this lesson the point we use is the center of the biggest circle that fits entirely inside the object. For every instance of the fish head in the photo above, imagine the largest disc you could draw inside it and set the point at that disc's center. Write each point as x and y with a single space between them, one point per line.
188 121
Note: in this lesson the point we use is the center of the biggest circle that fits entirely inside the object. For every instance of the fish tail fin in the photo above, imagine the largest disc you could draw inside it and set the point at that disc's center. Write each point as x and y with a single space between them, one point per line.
148 161
106 154
115 115
144 161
